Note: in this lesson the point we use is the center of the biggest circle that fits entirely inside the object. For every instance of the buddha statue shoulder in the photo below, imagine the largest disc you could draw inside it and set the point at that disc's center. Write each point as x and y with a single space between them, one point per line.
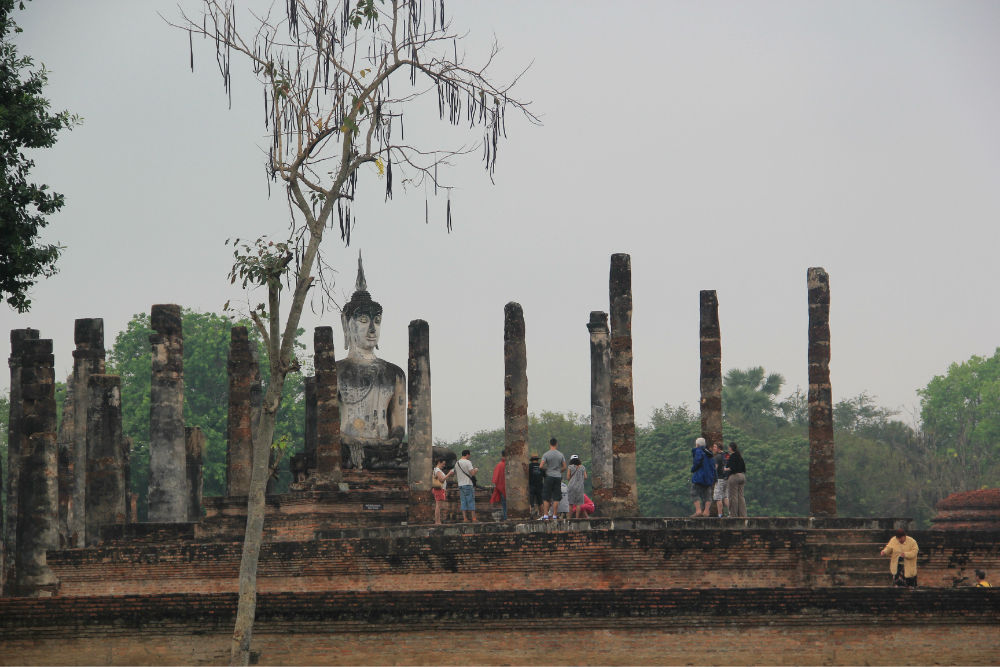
371 391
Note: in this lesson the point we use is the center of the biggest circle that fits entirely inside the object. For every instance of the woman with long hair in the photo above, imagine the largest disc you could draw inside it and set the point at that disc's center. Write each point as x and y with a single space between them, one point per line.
737 480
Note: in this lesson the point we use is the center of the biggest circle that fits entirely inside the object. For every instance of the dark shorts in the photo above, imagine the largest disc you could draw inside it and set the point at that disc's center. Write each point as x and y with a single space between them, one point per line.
701 492
553 489
535 496
900 581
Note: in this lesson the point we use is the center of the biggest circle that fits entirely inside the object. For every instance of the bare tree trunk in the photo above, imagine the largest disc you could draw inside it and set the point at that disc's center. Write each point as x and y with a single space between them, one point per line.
279 357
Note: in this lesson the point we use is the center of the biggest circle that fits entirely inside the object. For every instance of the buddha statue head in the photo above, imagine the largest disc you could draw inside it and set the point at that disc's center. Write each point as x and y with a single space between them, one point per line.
361 319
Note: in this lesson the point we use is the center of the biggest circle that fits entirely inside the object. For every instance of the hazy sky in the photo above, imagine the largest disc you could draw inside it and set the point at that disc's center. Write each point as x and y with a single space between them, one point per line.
725 146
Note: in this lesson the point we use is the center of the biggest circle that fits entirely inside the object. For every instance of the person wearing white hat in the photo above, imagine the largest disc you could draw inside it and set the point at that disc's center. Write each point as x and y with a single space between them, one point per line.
702 479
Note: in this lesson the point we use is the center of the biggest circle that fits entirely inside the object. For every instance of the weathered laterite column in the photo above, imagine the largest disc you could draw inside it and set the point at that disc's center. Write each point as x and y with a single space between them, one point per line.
64 442
239 447
515 411
626 493
328 450
107 495
168 501
194 447
602 459
418 418
711 370
18 337
38 493
88 358
822 468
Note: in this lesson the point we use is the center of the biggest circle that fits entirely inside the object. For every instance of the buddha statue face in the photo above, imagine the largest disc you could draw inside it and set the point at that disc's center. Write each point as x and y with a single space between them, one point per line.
362 331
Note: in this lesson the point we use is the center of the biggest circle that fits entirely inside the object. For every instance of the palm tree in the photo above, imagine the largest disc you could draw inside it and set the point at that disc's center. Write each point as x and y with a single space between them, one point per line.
749 395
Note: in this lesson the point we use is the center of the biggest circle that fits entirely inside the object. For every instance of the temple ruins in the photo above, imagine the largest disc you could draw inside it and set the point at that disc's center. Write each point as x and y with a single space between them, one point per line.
352 570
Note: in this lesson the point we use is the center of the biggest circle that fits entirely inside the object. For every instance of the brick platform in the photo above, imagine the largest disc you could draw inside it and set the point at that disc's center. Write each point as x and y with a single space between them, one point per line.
567 626
596 554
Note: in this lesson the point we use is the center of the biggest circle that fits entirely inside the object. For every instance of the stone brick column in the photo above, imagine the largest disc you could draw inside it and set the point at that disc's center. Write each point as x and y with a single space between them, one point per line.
38 493
18 337
239 446
822 467
515 411
602 458
65 461
107 495
418 419
711 370
88 359
168 501
626 494
194 449
328 450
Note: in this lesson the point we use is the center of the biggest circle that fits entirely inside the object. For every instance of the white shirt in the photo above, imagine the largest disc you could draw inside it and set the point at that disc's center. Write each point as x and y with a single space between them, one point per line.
463 472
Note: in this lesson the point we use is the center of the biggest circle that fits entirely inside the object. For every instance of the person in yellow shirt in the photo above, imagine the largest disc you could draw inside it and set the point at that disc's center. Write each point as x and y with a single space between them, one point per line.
981 580
902 552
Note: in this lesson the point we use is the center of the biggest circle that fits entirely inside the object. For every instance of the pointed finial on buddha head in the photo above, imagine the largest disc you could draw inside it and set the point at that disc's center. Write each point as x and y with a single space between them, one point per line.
360 285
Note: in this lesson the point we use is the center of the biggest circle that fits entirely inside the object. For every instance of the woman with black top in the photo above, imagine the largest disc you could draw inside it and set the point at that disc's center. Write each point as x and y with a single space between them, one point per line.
737 480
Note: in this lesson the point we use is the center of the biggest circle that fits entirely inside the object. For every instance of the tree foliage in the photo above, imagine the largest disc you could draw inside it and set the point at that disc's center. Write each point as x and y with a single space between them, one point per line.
748 396
25 123
961 412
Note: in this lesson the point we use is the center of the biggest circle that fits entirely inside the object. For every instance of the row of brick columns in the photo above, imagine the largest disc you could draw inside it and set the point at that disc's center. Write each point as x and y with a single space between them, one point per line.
822 466
64 485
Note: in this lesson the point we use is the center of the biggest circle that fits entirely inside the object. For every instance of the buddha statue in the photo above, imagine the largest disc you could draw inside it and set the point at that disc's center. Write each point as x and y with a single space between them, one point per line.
371 391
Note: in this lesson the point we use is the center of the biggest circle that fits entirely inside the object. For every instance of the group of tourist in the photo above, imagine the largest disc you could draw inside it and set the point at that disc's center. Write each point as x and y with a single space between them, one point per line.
547 492
720 476
549 495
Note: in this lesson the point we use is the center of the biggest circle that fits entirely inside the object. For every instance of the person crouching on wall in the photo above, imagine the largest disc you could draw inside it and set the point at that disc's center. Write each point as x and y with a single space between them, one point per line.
902 552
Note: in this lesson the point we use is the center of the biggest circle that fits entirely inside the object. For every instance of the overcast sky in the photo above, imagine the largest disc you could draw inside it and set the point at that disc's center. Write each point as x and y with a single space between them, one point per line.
725 146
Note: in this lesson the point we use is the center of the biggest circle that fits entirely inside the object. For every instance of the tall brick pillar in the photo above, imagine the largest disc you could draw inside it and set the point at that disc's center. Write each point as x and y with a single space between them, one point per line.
88 359
515 411
168 501
18 337
239 447
626 493
602 459
38 493
418 418
328 450
711 370
65 460
107 495
822 468
194 450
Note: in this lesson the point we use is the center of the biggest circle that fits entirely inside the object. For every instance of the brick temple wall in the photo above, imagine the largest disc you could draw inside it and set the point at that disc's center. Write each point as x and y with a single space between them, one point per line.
773 626
484 558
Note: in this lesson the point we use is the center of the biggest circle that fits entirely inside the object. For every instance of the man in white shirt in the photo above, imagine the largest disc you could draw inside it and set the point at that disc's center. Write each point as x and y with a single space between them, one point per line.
466 490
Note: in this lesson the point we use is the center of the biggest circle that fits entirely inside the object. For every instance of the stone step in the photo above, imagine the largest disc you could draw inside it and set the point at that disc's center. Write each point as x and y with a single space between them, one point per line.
844 549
